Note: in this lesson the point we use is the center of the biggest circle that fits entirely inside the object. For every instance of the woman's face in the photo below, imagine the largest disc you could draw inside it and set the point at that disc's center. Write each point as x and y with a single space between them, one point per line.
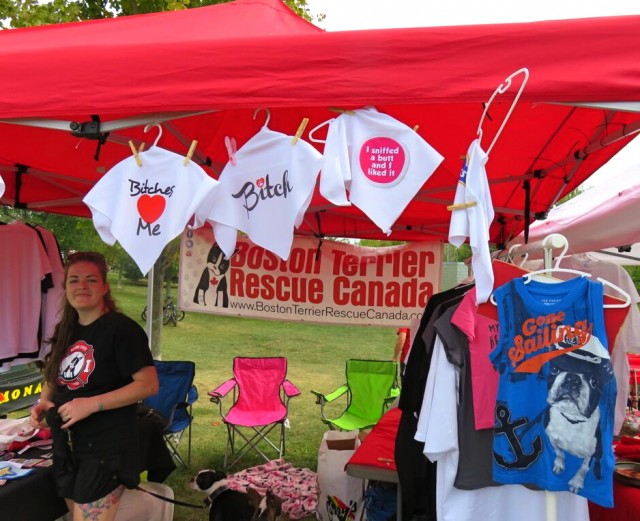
85 288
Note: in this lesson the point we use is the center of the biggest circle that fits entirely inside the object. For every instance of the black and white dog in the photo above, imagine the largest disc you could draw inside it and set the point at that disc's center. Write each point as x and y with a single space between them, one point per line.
214 275
231 505
575 384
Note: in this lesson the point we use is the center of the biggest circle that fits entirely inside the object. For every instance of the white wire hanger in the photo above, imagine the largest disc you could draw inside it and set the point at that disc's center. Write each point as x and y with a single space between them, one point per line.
328 121
502 88
317 127
268 118
510 258
159 127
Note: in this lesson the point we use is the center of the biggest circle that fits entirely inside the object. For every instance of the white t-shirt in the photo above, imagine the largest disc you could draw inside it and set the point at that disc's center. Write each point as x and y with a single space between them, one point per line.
474 221
266 193
1 186
145 207
379 160
438 429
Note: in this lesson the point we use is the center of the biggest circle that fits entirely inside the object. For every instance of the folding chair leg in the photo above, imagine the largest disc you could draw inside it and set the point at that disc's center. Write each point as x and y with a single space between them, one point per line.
251 443
189 447
173 448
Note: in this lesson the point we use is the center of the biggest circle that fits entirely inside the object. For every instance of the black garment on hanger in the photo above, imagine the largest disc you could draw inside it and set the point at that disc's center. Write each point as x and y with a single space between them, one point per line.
416 474
475 461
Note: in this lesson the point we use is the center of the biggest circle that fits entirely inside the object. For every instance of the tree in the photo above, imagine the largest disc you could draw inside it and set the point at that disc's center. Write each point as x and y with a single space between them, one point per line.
24 13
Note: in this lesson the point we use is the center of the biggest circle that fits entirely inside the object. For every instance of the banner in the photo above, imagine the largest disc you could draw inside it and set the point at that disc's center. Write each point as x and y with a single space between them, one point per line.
322 281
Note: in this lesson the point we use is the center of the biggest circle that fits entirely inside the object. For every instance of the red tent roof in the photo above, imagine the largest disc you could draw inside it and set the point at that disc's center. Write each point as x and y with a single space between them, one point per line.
224 61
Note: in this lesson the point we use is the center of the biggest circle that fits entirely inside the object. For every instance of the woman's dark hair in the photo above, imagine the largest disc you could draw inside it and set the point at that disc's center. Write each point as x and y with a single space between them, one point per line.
69 316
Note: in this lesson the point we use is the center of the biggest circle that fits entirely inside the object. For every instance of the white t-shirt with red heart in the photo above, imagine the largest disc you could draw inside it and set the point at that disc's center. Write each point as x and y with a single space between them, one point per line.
145 207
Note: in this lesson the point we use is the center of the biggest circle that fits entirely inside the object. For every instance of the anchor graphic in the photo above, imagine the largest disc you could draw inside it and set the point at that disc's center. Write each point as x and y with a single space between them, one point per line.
523 459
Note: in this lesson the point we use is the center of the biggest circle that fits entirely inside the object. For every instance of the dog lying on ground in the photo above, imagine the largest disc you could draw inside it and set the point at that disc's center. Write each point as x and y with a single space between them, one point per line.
231 505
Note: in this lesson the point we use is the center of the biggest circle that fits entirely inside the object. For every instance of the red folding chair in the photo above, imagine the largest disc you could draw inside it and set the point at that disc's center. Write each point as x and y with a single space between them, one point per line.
261 394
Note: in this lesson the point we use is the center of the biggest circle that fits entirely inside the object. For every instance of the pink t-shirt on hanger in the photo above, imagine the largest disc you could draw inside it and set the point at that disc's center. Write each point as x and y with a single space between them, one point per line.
482 333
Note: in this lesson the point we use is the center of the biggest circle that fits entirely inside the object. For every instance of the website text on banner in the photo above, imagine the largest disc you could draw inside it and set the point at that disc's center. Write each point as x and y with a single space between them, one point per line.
327 282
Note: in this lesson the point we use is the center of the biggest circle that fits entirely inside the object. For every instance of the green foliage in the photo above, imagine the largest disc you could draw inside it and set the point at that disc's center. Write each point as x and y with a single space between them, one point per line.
129 269
453 254
634 272
25 13
378 244
570 195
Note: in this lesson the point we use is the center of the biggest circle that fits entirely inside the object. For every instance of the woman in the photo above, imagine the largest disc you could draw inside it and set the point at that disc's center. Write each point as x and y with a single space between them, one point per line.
99 367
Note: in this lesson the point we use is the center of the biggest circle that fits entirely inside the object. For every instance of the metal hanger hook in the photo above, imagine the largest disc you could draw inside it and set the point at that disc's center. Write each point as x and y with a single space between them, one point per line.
147 127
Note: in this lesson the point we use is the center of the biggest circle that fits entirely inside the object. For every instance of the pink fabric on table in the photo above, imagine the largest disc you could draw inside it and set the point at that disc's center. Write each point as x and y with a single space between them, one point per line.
482 333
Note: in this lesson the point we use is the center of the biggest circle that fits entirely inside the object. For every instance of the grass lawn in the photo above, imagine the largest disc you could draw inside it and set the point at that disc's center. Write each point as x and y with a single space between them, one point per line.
316 356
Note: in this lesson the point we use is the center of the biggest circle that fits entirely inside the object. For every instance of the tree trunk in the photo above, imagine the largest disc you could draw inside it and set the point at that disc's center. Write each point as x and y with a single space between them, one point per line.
156 318
160 269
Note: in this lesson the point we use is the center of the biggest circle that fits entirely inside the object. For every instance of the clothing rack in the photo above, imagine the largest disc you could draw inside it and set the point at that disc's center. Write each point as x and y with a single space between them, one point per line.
550 243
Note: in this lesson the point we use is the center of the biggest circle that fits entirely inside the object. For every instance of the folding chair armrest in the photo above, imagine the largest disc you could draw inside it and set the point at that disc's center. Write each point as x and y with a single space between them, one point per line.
192 395
290 389
328 398
222 390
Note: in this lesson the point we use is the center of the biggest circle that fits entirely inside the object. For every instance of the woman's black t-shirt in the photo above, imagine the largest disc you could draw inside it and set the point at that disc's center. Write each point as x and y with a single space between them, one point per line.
102 357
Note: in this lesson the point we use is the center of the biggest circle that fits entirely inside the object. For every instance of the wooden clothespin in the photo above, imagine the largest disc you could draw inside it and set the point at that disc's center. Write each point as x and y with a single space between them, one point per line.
461 206
134 151
342 111
192 149
141 148
300 131
416 128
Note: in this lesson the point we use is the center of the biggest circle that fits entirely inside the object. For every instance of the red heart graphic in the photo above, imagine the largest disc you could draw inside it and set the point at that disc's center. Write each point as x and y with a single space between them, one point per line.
150 207
260 182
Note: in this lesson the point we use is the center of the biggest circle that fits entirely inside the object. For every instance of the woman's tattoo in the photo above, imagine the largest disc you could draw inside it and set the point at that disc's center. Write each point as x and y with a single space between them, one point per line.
92 511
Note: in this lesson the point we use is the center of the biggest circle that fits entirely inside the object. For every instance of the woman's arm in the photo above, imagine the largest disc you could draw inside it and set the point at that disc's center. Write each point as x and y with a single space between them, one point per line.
39 410
397 349
145 383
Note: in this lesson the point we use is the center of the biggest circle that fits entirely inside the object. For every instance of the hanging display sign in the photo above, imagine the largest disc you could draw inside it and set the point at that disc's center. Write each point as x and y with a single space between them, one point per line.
322 281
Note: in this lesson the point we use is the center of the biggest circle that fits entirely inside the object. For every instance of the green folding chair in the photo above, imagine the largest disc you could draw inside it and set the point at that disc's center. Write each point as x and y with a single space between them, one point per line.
371 386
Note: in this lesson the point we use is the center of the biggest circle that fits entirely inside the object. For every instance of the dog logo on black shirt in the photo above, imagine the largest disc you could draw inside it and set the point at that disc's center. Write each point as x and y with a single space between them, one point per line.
77 366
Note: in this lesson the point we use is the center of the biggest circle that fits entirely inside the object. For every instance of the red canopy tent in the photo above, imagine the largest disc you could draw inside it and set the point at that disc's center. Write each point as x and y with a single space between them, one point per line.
202 73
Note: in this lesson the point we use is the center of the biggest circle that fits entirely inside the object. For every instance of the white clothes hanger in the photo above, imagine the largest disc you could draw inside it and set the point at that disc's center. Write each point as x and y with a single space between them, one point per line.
316 140
147 127
556 240
528 277
512 260
502 88
266 123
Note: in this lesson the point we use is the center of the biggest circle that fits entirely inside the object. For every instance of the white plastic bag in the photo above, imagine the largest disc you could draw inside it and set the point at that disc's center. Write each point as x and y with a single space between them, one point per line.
340 495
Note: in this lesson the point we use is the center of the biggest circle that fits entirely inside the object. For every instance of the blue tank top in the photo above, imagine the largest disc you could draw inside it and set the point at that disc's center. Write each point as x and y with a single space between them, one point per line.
556 396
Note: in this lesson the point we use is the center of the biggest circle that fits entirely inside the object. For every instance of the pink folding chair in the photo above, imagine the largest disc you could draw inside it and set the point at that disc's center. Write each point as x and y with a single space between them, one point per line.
261 394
